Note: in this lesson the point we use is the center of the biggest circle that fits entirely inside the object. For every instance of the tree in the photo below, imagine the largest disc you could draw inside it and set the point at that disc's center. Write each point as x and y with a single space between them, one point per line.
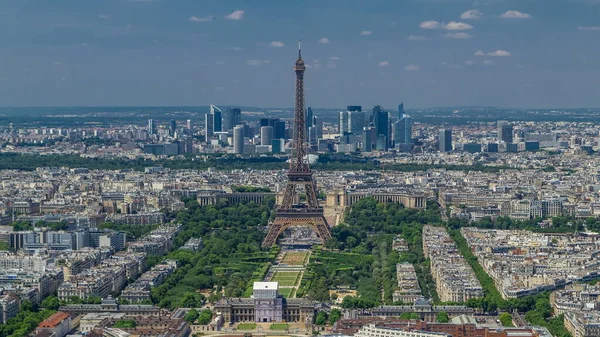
334 316
409 315
191 316
321 318
505 318
205 317
51 303
442 317
125 324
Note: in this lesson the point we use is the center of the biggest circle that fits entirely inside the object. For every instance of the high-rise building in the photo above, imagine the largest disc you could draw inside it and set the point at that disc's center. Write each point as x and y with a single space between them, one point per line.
400 109
151 127
380 121
217 118
309 119
266 135
445 140
172 128
231 118
279 129
356 122
354 108
238 139
343 124
209 126
313 135
505 132
403 130
277 124
189 125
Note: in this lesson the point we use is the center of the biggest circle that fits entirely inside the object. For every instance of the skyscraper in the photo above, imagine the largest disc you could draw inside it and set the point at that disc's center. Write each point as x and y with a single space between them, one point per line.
380 121
217 118
266 135
231 118
445 140
189 125
400 109
403 130
238 139
151 127
356 122
343 124
309 119
172 128
505 132
209 124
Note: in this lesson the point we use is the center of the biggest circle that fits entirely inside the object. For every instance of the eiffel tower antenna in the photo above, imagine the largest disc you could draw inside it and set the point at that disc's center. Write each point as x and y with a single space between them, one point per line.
289 214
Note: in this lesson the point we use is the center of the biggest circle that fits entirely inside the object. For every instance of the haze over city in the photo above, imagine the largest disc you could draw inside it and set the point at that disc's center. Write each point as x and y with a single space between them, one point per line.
429 53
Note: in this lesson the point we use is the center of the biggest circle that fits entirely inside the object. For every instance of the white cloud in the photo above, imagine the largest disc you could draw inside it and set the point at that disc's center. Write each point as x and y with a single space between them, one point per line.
257 62
366 32
589 28
235 15
219 62
334 58
237 48
453 25
470 63
324 40
499 53
416 38
489 62
471 14
412 67
512 14
330 64
103 16
277 44
479 53
201 19
431 24
384 63
458 35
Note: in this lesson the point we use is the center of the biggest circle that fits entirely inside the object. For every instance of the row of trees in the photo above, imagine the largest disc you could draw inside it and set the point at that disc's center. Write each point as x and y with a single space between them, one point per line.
232 251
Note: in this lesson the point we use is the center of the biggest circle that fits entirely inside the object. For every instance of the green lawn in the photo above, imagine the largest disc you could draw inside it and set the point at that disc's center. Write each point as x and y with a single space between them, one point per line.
278 326
247 326
286 278
286 292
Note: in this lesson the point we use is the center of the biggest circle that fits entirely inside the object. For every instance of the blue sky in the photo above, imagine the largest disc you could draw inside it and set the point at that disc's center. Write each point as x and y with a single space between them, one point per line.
428 53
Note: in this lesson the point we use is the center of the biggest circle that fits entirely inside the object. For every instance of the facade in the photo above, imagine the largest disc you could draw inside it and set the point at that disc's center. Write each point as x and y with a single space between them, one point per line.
232 118
373 331
403 130
505 132
581 324
266 305
266 135
57 325
217 116
9 307
238 139
445 140
347 199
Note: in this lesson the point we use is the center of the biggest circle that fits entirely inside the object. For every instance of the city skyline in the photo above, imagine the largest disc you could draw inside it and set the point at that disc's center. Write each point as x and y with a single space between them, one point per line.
425 53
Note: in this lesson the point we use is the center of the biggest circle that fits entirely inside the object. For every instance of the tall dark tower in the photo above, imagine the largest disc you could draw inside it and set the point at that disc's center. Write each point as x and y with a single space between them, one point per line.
289 214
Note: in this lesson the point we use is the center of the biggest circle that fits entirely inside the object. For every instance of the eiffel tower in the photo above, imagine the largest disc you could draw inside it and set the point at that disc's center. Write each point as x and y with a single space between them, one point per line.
299 174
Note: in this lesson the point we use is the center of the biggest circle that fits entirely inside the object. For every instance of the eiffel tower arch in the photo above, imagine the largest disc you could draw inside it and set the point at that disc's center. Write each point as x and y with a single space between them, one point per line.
299 176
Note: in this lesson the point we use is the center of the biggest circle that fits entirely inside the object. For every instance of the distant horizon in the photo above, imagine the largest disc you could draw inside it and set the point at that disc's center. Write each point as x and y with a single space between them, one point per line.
368 107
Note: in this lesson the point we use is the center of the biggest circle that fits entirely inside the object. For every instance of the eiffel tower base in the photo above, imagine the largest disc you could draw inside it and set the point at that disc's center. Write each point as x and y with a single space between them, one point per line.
304 218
